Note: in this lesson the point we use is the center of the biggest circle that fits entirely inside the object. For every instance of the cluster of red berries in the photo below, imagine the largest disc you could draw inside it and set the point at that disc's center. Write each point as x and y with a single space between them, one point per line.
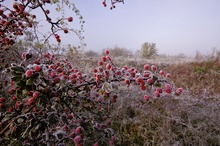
54 85
113 2
14 21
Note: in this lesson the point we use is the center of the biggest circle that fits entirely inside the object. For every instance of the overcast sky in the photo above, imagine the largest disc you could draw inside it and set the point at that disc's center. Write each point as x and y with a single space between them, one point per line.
176 26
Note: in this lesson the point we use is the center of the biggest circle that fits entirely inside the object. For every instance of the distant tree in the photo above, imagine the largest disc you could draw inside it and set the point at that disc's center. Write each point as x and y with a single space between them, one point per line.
199 56
91 53
119 51
148 50
181 55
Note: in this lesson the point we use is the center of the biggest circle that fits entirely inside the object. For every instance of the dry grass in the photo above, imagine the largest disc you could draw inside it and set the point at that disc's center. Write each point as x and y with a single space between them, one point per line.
166 121
191 119
199 78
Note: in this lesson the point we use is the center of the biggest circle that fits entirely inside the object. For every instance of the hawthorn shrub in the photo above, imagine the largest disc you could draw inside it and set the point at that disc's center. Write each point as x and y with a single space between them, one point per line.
49 101
52 102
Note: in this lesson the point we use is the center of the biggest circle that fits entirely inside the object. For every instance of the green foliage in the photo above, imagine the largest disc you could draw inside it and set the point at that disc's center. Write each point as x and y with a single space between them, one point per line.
148 50
199 69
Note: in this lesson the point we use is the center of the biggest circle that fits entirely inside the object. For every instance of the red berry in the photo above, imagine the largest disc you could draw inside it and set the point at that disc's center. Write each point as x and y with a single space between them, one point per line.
150 81
14 98
118 72
113 138
47 11
180 89
36 94
157 94
159 90
73 81
65 31
109 58
28 73
58 40
77 139
100 63
95 70
143 88
10 109
73 76
167 86
106 52
30 101
37 68
33 16
108 66
47 1
79 130
56 80
97 78
51 66
1 105
153 67
1 12
104 58
146 97
23 55
168 90
72 135
161 72
168 75
96 144
59 69
139 80
113 100
1 100
100 69
146 66
70 19
127 81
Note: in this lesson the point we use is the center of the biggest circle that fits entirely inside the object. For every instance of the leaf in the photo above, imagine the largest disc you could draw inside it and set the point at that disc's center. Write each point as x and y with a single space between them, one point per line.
52 118
28 56
158 85
30 82
18 69
17 74
27 130
15 142
109 132
38 126
35 76
20 120
155 78
20 84
6 118
114 86
16 78
24 92
101 91
106 97
107 87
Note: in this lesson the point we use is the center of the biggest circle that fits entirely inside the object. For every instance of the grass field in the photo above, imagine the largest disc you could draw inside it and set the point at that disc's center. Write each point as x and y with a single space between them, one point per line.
190 119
